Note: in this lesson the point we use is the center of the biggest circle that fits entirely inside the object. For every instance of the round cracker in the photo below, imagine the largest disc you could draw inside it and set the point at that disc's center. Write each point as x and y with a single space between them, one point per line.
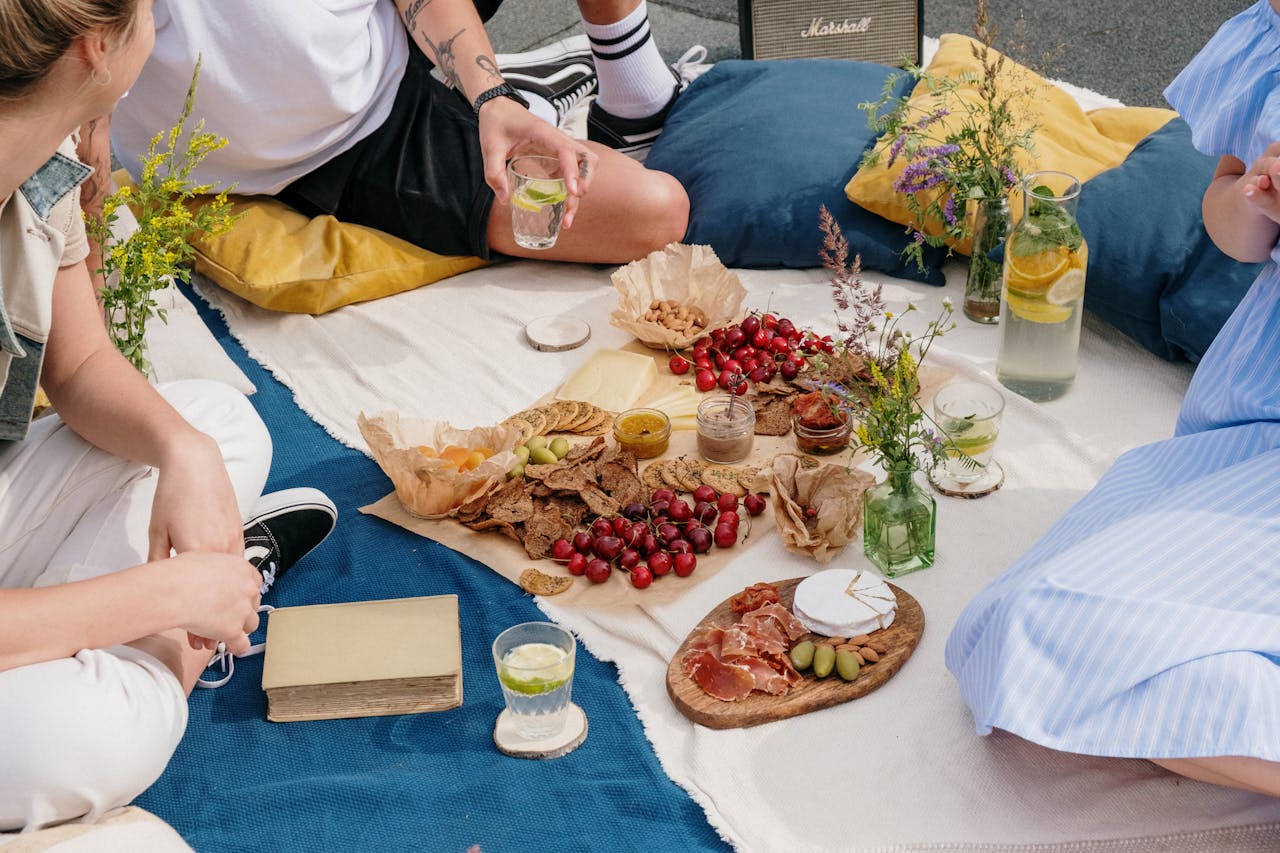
541 583
724 479
524 429
535 417
604 425
669 476
566 412
651 477
689 471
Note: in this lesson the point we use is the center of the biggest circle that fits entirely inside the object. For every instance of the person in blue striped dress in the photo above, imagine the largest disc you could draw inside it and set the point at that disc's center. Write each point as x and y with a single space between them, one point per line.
1146 622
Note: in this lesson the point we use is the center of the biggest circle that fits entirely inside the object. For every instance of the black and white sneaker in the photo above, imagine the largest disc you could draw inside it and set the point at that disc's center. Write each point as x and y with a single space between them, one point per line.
285 527
635 136
562 72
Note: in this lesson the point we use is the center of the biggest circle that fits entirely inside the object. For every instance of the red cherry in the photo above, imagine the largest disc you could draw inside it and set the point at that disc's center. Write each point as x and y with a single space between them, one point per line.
582 542
601 527
750 324
789 370
650 545
679 365
704 492
797 359
760 338
726 379
659 563
786 327
680 546
620 525
635 534
780 345
705 512
704 363
720 358
669 532
760 374
699 540
727 502
641 577
562 549
680 511
659 508
629 559
769 321
684 564
598 571
607 547
704 380
741 388
577 563
662 495
726 535
730 517
753 503
734 336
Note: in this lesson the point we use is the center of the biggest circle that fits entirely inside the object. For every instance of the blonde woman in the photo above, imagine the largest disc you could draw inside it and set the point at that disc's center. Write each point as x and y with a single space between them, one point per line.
123 558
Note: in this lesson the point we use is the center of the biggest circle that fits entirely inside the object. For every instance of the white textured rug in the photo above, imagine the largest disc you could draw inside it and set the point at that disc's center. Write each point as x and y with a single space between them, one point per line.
898 770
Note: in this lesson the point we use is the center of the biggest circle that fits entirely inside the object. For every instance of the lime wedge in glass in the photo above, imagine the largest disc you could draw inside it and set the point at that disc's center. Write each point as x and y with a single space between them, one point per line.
533 668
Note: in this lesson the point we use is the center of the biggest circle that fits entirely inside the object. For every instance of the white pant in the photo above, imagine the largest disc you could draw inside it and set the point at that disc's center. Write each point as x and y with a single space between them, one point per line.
82 735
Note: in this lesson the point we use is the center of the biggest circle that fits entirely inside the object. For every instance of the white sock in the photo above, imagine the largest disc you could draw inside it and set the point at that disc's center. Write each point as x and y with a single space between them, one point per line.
540 107
635 82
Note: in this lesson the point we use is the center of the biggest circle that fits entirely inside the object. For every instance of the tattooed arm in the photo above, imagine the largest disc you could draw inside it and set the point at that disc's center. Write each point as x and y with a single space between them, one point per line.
94 149
452 36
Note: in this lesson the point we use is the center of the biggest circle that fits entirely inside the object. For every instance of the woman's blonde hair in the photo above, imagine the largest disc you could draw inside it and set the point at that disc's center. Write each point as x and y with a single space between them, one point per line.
34 34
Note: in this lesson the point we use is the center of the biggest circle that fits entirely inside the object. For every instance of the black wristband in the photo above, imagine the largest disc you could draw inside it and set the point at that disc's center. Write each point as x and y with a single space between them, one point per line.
502 90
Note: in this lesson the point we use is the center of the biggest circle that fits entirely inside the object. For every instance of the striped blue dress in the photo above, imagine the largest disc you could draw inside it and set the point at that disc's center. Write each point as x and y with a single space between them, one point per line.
1146 622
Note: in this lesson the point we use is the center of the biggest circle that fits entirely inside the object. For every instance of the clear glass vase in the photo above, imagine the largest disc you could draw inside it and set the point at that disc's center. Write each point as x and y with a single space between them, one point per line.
898 523
982 285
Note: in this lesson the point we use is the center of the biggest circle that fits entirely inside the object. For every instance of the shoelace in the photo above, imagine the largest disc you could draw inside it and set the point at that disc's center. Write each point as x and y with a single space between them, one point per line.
226 661
268 576
691 65
566 102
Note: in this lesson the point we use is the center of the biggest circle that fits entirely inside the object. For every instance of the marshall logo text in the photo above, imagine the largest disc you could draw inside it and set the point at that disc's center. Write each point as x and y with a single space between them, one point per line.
818 27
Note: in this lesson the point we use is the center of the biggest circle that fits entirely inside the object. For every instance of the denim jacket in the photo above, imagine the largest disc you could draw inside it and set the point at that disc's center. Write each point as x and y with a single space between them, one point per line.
41 230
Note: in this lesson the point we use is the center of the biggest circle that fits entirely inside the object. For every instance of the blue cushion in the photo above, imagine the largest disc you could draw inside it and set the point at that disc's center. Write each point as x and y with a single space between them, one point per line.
1154 273
762 145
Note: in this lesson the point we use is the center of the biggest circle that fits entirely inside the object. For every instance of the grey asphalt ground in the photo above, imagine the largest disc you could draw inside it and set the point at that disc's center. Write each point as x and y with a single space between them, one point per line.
1126 49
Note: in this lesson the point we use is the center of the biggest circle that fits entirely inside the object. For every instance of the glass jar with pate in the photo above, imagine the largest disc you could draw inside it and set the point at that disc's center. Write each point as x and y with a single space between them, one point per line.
726 428
645 432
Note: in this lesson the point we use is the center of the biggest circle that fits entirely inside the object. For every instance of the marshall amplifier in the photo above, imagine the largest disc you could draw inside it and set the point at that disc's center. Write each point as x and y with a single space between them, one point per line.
887 31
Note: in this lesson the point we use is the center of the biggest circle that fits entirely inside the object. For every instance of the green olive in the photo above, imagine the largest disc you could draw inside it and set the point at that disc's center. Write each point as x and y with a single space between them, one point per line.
824 660
559 446
847 665
542 456
517 470
536 441
802 655
522 454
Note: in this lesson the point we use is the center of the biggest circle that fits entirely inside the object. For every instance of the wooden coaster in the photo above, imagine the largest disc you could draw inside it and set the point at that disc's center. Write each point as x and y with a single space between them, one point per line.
992 479
511 743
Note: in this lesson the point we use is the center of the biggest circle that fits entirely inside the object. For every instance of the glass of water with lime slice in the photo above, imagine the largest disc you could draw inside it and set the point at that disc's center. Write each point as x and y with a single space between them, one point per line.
538 196
969 415
535 668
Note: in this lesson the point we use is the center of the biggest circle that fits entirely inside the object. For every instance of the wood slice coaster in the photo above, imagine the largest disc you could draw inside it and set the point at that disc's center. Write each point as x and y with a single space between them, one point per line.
566 741
811 694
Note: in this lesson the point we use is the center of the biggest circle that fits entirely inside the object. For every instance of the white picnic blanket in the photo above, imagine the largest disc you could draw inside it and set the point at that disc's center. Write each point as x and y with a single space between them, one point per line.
900 769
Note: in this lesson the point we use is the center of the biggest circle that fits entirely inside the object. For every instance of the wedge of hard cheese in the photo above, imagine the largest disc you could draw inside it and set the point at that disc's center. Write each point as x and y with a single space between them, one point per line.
611 379
844 603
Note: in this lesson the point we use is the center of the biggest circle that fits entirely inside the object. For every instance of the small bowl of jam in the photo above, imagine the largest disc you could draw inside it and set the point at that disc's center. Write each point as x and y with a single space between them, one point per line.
645 432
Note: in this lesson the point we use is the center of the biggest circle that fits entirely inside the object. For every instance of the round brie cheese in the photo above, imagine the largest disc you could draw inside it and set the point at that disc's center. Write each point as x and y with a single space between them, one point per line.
844 603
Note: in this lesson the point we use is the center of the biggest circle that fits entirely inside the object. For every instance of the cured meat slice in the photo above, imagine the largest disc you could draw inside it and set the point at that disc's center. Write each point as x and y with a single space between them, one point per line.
724 681
753 596
738 641
765 678
790 625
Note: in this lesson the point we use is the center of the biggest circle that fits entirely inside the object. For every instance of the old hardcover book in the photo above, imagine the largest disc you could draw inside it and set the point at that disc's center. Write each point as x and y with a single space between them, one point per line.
363 659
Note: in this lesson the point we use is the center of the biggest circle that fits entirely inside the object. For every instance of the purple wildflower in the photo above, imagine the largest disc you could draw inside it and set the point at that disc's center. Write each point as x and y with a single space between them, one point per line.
937 115
917 176
896 148
939 152
1010 178
949 211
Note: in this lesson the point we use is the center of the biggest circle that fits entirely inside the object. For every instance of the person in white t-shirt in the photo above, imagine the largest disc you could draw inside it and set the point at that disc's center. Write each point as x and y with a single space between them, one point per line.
332 106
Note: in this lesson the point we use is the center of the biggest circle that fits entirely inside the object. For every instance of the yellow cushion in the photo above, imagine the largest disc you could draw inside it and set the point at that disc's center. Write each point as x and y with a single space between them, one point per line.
1068 139
280 259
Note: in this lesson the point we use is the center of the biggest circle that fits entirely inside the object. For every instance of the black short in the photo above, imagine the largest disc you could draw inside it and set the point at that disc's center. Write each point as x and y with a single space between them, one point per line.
419 177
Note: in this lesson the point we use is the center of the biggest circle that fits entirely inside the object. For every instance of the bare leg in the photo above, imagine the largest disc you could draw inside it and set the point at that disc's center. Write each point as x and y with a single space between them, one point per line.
172 650
1232 771
606 11
628 212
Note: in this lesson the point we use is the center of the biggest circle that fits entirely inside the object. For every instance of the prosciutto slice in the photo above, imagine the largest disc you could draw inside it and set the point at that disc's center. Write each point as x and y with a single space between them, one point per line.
749 655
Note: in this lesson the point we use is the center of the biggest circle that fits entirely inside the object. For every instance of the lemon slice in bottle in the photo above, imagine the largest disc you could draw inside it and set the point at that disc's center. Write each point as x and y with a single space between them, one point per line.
1068 288
1034 309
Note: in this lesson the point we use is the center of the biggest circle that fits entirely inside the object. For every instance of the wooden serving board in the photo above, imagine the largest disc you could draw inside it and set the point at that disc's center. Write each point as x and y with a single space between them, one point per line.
811 694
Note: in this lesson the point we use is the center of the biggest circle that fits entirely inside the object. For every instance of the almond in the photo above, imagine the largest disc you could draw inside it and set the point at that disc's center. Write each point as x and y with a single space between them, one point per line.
860 640
869 654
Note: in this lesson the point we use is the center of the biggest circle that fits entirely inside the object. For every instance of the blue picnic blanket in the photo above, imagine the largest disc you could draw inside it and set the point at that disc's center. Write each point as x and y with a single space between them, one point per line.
420 782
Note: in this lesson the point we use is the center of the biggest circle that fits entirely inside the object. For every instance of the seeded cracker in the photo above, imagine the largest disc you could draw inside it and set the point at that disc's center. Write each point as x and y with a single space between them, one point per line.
690 473
604 426
523 428
566 412
540 583
586 411
651 477
723 479
536 419
670 478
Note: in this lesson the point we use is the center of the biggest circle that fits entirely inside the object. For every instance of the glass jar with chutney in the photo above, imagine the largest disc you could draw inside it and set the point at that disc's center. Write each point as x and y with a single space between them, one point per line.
820 424
645 432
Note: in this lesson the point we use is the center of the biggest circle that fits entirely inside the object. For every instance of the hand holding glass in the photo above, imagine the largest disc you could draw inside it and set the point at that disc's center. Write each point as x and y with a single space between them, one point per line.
969 414
538 195
535 668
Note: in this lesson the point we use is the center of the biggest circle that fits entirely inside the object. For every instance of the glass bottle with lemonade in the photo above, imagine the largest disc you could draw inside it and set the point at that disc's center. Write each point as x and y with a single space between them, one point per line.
1042 300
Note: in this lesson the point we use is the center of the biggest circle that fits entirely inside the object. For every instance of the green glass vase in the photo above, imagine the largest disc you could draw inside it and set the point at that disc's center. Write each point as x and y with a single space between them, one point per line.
898 522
